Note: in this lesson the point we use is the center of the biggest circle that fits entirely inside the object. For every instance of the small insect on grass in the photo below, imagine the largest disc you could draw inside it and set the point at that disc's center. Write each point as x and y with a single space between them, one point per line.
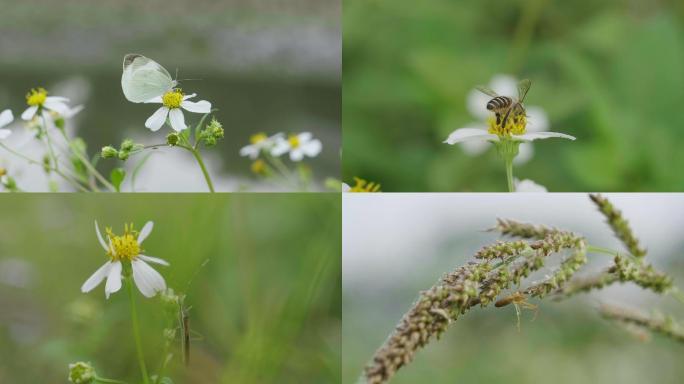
519 300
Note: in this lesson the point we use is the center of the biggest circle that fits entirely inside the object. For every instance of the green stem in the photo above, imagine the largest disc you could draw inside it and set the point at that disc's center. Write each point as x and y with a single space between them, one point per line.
284 170
509 175
69 179
610 252
87 163
200 162
49 144
104 380
136 331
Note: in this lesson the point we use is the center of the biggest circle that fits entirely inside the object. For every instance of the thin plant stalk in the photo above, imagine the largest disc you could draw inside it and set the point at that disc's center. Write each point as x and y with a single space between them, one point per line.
66 177
509 175
87 164
112 381
200 162
136 331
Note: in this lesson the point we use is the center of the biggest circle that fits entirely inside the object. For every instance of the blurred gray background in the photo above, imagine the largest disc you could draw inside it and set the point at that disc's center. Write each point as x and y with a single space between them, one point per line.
395 245
268 66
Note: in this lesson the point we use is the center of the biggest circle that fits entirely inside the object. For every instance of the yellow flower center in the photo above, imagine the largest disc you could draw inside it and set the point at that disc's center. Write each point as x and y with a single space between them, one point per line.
259 167
294 141
36 97
257 138
173 99
3 171
515 124
124 247
364 186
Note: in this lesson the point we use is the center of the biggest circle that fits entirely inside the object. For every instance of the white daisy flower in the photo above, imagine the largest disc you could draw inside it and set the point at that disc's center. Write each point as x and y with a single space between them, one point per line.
299 146
124 253
173 102
528 185
475 137
39 101
259 142
6 117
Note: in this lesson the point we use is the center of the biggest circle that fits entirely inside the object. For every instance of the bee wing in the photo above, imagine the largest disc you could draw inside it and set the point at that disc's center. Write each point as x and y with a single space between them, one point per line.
486 90
523 86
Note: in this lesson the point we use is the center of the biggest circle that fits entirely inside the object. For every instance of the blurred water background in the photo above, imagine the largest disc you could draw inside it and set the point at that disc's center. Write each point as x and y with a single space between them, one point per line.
264 309
267 66
396 245
608 72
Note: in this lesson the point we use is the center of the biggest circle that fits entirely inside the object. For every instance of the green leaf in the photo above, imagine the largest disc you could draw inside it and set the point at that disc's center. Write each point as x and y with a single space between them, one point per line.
117 177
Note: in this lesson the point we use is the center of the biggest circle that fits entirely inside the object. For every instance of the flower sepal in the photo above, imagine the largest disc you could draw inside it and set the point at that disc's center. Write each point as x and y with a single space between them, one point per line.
508 147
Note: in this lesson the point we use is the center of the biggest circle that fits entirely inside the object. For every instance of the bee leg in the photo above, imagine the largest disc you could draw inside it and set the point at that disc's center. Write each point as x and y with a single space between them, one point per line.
498 118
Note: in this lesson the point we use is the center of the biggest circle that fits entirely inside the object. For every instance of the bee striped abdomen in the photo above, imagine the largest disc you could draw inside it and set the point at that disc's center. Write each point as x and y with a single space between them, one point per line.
499 102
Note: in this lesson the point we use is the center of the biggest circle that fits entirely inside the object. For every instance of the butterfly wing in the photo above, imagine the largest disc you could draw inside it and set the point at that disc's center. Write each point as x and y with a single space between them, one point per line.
144 79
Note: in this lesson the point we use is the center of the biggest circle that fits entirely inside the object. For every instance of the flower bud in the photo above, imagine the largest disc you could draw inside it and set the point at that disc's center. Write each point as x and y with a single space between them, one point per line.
109 152
127 145
172 139
81 373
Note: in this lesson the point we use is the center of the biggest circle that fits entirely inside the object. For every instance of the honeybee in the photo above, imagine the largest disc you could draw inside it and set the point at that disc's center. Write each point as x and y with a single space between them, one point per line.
519 300
502 106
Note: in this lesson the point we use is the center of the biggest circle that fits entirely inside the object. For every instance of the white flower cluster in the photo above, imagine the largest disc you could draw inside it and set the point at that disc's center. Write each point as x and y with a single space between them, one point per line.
298 146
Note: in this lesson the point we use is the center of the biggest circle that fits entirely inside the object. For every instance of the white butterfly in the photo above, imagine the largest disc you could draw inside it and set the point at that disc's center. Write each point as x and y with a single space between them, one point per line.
144 79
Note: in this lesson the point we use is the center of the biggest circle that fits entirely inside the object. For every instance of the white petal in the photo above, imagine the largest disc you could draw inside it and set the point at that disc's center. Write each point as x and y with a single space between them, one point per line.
156 99
154 260
250 150
201 106
474 147
504 85
113 279
528 186
345 187
148 281
525 153
100 238
296 154
157 119
96 278
57 106
4 133
477 104
145 231
177 120
29 113
72 112
464 134
56 99
190 96
312 148
531 136
537 120
304 137
6 117
281 147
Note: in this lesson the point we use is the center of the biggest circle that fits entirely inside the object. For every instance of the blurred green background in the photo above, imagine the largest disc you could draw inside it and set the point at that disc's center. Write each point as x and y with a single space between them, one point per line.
267 66
267 304
388 260
609 72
